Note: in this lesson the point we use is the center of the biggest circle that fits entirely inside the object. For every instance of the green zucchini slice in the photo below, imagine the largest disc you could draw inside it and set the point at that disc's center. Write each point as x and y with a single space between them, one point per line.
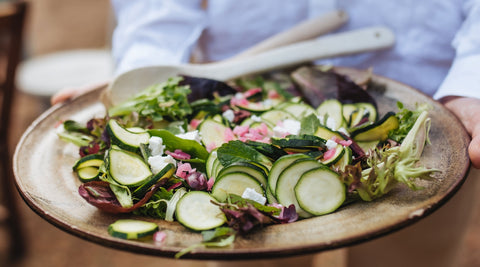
234 183
299 110
127 168
248 168
126 139
332 108
166 172
287 180
339 151
213 133
87 174
132 229
272 117
378 131
278 166
319 191
196 211
93 160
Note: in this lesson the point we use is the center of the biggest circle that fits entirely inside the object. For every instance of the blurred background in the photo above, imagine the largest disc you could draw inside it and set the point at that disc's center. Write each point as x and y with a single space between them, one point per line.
66 44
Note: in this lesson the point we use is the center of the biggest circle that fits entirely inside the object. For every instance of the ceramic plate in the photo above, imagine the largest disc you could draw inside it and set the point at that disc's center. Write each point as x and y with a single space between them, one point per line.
43 169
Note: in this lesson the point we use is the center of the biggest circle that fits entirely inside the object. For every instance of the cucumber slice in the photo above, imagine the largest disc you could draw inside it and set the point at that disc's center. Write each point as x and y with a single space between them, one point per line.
124 138
87 174
196 211
127 168
234 183
93 160
166 172
287 180
278 166
131 229
320 191
248 168
213 133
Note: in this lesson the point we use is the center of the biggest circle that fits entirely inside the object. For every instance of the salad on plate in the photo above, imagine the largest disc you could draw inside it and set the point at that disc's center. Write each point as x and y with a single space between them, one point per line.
223 158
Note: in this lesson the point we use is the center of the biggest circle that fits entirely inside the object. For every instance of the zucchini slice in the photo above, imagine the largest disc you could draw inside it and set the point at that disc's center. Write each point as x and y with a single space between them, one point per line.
196 211
127 168
278 166
132 229
299 110
338 154
301 143
93 160
234 183
328 134
287 180
377 131
166 172
248 168
332 108
272 117
345 160
87 174
319 191
213 133
210 163
124 138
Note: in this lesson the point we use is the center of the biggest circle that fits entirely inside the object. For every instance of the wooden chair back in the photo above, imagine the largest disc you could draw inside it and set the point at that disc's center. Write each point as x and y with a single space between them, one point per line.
12 17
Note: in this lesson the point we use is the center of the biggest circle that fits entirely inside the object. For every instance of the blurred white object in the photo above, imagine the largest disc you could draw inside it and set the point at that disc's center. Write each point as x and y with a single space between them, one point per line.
48 74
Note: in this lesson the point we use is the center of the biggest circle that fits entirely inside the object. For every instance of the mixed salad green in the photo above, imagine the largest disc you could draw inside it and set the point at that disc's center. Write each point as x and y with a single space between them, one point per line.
224 158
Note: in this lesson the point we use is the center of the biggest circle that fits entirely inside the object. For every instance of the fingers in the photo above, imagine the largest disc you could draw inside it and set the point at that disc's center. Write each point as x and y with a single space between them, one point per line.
474 153
63 95
72 92
474 147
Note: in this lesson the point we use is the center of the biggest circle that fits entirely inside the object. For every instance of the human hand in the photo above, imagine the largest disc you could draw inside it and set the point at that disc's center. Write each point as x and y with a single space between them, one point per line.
72 92
468 111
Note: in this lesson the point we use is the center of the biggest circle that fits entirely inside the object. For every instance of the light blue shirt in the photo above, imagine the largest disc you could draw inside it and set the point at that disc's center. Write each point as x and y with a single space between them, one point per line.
437 46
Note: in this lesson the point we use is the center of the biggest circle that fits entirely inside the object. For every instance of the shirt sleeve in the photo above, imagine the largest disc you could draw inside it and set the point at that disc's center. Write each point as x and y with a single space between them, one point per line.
152 32
463 79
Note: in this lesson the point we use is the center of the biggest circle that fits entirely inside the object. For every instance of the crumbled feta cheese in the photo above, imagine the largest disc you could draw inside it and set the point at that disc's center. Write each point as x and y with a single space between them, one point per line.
287 127
229 115
192 135
255 118
251 194
331 123
239 95
155 144
157 163
331 144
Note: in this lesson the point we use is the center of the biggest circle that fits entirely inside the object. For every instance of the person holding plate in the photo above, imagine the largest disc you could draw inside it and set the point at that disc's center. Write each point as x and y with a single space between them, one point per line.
437 50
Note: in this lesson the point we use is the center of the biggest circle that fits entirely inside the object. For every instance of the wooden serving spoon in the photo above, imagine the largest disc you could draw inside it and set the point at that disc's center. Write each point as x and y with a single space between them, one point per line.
340 44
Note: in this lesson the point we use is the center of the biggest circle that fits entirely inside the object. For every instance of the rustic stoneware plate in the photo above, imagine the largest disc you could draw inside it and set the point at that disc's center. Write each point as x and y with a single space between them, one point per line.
43 169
